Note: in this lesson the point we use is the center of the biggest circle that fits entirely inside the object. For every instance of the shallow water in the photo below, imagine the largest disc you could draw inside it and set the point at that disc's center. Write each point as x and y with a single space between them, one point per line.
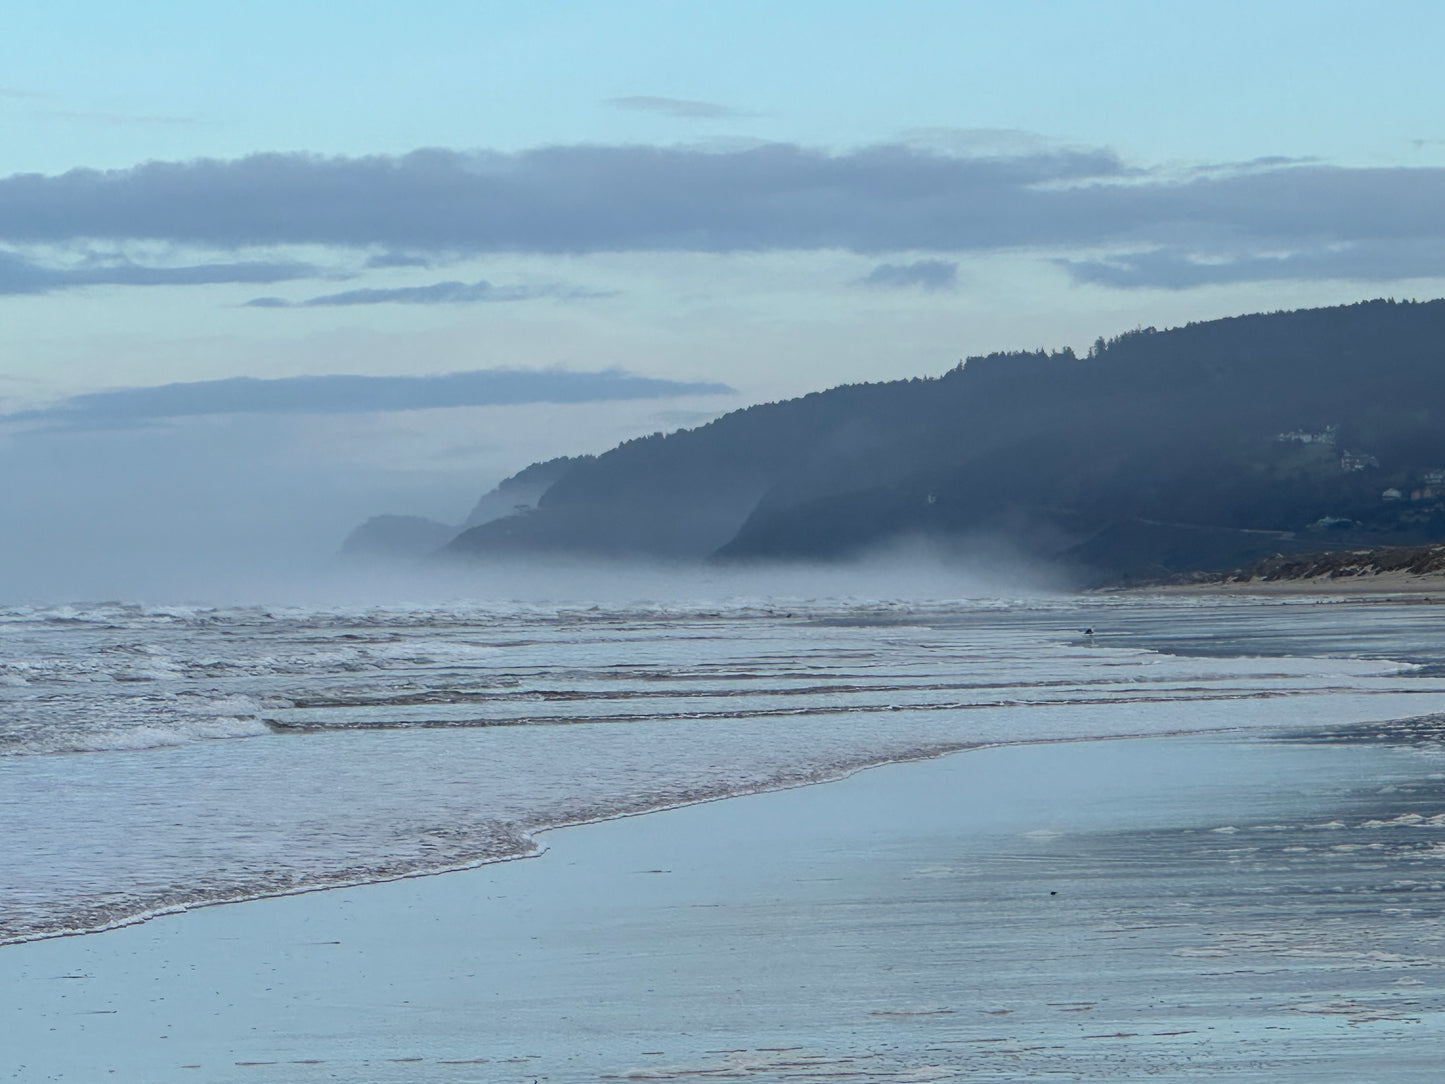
155 758
1168 909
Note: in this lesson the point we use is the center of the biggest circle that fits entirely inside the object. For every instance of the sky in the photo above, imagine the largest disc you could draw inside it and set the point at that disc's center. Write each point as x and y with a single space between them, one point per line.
623 218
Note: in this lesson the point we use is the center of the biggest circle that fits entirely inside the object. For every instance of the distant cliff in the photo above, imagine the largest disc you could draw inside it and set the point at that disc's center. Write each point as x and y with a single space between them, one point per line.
390 538
1206 446
520 492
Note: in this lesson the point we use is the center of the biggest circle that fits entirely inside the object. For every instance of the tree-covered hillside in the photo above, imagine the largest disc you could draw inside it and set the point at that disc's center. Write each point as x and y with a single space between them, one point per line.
1203 446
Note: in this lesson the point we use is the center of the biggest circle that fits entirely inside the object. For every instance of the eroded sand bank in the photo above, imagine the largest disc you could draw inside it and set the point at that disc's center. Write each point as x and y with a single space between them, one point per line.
1382 586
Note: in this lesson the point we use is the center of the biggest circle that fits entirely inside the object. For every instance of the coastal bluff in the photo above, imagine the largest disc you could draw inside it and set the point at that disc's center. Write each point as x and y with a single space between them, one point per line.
1206 447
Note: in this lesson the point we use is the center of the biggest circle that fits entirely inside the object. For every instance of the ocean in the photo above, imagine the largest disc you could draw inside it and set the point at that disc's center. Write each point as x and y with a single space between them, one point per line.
157 758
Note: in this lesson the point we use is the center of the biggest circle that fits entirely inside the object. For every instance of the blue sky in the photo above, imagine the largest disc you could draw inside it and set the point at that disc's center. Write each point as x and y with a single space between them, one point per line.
109 85
771 198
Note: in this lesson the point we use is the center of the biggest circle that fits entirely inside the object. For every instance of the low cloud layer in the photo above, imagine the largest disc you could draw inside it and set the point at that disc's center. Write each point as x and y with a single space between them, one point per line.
1332 221
438 293
1183 268
357 394
920 274
21 276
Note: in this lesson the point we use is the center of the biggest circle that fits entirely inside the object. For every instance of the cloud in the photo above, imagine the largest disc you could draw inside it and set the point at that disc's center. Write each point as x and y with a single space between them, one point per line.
771 197
920 274
21 276
1183 268
684 108
400 259
356 395
562 200
438 293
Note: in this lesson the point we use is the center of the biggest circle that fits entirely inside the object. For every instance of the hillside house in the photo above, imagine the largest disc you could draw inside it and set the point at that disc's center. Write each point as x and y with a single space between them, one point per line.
1352 461
1301 436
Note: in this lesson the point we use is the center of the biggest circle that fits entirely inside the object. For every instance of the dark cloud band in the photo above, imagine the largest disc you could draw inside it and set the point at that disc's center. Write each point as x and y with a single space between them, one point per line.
21 276
358 394
1175 268
437 293
920 274
1335 221
561 200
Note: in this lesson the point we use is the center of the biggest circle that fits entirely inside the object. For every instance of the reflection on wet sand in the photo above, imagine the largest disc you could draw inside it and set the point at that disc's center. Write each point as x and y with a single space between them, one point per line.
1161 908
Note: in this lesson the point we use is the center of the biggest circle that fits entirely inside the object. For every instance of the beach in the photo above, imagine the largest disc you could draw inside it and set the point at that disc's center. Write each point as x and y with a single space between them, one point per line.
1394 587
801 544
1169 908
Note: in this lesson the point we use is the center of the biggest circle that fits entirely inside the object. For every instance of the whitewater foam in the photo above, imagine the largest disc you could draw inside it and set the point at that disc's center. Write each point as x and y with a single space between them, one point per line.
237 752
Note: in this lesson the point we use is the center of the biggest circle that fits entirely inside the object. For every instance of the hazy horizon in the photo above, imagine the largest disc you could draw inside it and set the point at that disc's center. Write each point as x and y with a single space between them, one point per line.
234 278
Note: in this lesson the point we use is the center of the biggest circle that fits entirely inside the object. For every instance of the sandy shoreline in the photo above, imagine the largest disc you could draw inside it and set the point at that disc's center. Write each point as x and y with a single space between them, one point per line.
1401 587
1009 913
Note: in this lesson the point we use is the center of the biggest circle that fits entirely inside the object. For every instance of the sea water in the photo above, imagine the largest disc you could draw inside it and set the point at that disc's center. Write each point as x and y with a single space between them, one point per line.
157 758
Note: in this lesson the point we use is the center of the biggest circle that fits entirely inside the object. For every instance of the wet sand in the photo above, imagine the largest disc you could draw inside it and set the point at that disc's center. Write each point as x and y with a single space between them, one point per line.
1177 908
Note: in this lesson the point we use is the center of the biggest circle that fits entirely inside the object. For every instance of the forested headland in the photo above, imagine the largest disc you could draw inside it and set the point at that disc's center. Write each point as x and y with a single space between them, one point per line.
1203 447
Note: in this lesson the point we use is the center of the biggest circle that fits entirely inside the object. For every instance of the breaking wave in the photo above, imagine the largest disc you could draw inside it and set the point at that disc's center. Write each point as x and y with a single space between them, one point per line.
155 758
